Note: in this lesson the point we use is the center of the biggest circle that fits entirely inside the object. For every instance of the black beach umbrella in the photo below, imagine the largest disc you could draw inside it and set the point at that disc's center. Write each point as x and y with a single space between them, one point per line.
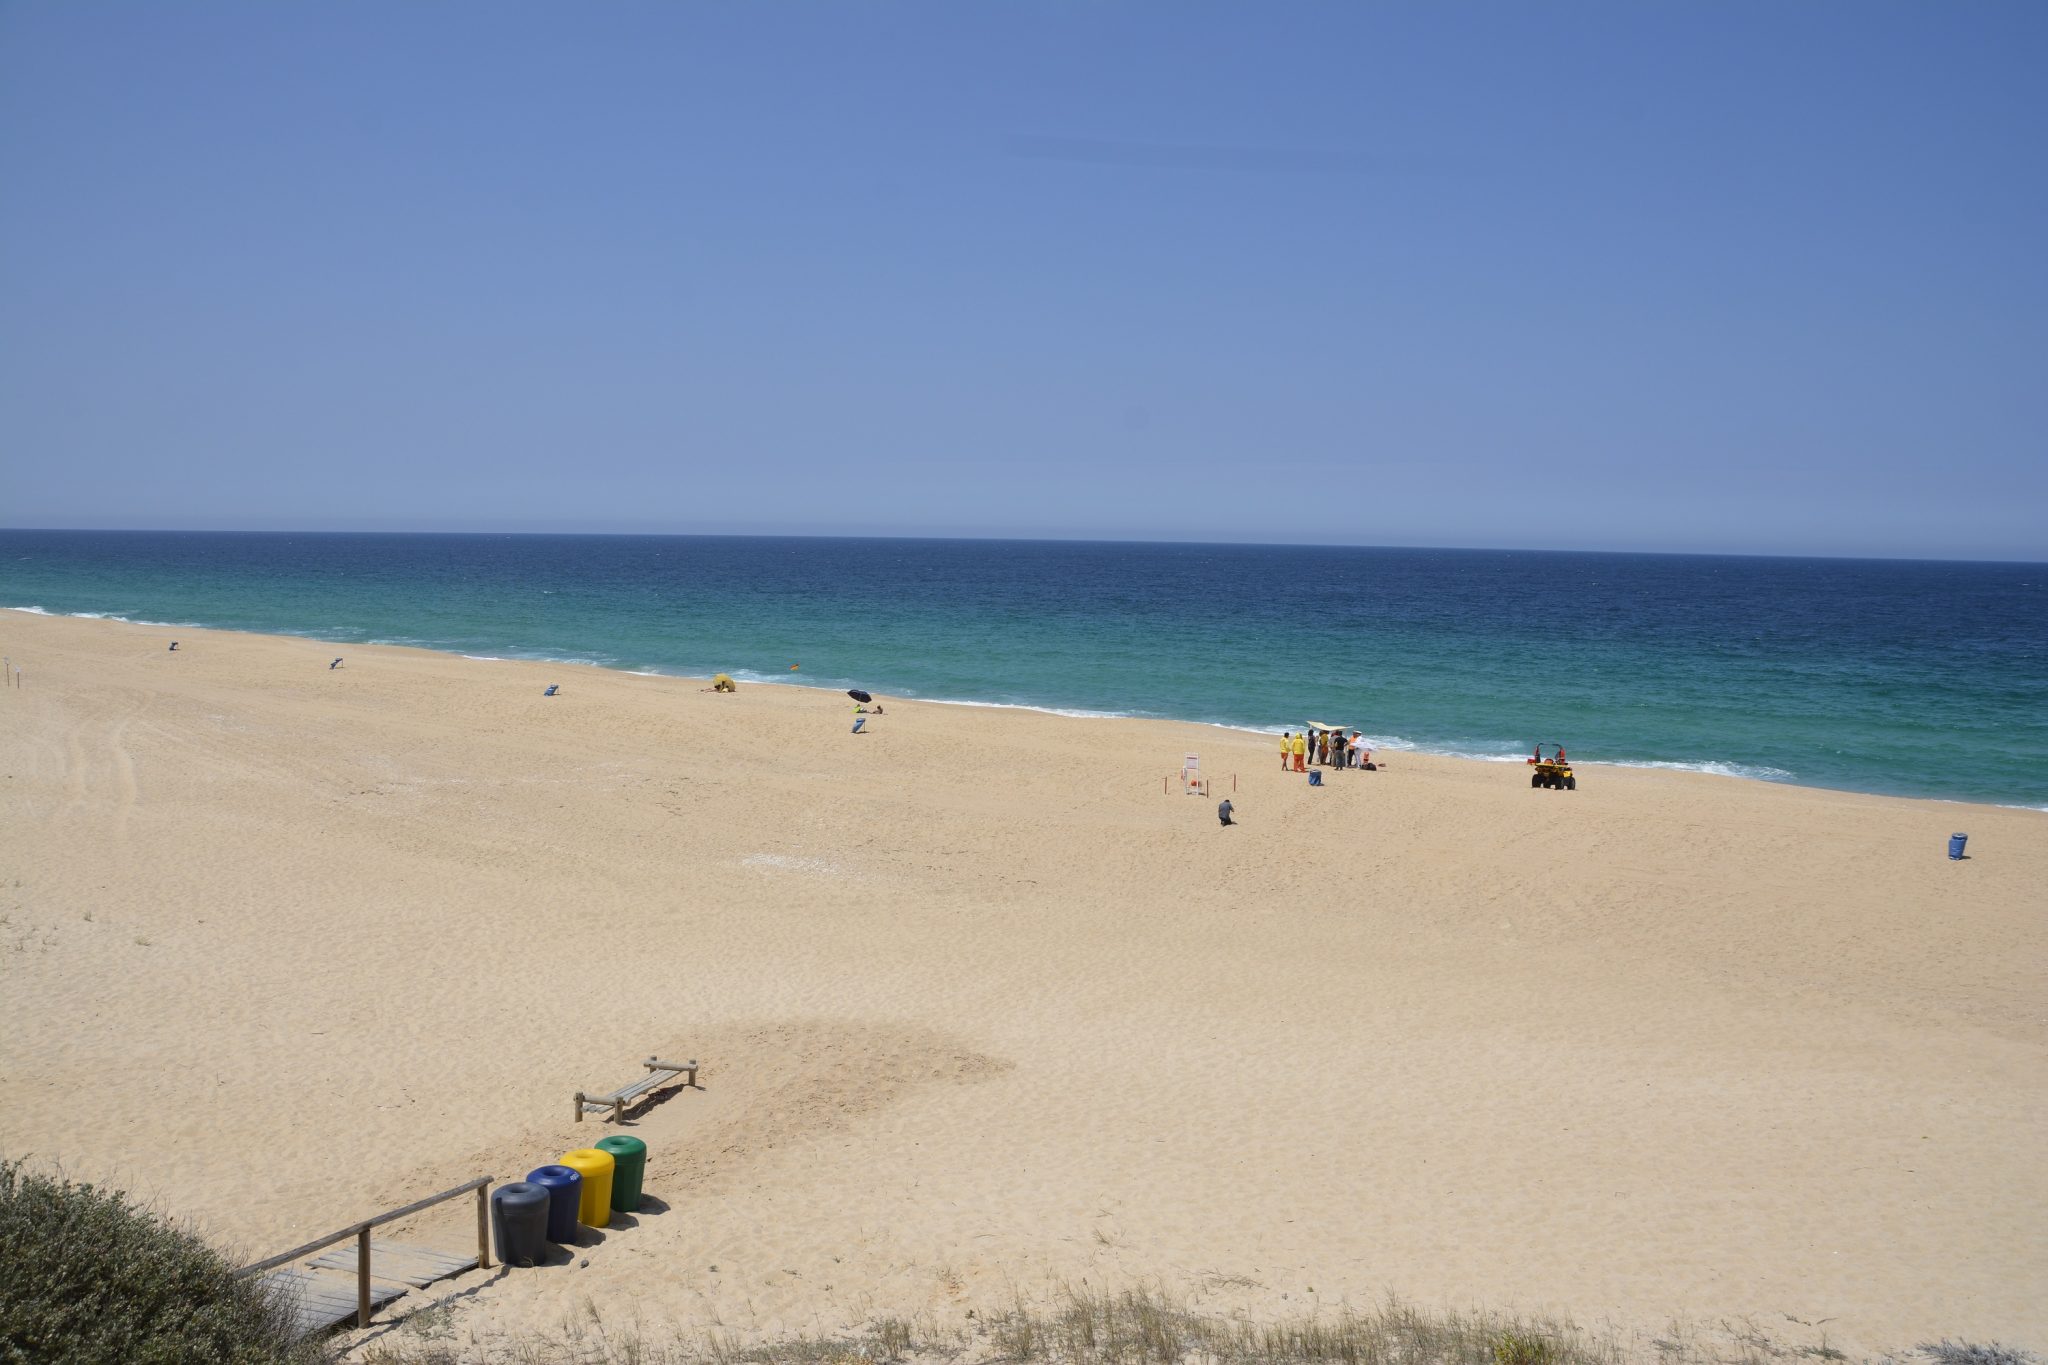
858 695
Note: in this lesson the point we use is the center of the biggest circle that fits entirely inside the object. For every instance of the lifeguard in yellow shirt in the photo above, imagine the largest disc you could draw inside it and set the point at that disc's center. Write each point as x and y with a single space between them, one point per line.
1301 753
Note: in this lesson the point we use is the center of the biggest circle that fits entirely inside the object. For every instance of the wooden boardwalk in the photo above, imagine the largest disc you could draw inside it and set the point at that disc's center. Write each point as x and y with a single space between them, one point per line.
413 1267
320 1298
318 1301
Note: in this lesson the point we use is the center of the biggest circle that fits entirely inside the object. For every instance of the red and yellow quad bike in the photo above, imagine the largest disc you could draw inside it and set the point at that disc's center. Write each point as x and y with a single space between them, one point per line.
1552 772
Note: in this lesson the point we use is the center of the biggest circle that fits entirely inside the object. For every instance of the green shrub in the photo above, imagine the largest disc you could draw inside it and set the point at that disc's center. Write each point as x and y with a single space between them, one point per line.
86 1277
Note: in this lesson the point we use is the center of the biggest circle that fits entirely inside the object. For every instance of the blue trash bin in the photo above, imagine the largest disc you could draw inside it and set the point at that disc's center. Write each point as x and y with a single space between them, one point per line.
1315 777
521 1216
1955 845
565 1193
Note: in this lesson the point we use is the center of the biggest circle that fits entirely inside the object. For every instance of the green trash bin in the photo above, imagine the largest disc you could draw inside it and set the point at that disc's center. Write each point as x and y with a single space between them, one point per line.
629 1155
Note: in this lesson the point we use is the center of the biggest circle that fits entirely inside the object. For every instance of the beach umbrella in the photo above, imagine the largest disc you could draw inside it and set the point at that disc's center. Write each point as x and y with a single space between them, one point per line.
858 695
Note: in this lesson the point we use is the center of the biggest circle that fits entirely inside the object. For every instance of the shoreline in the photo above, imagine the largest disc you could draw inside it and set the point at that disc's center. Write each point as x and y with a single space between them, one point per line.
1706 768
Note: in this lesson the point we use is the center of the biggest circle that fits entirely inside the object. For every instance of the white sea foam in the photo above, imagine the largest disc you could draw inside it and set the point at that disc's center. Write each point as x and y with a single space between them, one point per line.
519 658
1754 771
1070 713
110 616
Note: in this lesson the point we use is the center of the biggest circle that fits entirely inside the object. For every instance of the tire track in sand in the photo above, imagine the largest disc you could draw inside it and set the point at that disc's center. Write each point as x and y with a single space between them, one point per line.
77 762
74 770
126 791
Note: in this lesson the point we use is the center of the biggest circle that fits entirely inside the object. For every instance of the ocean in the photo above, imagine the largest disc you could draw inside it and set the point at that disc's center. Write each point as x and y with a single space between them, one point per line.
1887 676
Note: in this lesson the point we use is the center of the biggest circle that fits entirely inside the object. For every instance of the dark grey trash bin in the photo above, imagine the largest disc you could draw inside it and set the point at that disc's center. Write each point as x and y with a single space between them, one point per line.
519 1212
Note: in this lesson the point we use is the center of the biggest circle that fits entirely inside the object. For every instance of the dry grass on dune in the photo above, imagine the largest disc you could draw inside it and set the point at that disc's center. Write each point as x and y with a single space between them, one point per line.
1144 1326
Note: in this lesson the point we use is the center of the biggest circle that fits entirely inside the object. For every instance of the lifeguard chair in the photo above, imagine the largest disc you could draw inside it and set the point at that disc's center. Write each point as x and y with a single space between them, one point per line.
1192 783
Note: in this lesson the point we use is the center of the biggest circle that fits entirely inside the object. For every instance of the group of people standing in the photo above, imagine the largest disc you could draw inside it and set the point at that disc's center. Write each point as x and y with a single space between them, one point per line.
1326 748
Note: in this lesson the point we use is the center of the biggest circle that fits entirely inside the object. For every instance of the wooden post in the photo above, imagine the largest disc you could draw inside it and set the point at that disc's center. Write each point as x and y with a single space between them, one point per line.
483 1226
363 1278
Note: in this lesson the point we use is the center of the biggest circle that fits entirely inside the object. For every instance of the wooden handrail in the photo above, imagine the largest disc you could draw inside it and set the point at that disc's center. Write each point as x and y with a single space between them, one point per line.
361 1231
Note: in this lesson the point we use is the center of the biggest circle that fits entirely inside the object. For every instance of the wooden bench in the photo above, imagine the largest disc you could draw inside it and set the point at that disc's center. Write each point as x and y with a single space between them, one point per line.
659 1073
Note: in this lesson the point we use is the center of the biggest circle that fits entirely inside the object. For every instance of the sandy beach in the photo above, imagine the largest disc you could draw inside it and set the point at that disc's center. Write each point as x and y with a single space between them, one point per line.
981 1010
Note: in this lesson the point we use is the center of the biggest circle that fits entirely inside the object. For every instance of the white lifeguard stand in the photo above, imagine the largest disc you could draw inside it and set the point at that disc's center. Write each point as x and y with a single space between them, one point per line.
1192 783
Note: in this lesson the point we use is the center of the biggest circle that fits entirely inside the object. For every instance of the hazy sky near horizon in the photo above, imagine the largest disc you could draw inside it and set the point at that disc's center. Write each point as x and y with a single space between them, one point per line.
1744 277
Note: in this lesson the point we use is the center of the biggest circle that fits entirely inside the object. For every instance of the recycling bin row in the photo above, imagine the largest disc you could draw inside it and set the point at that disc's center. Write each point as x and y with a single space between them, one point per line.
584 1187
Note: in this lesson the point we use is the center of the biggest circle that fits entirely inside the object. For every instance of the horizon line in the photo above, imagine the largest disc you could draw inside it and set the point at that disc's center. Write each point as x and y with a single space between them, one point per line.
1011 539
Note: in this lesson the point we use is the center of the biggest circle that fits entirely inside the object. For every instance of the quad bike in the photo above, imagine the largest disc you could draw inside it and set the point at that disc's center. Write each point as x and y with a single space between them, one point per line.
1552 772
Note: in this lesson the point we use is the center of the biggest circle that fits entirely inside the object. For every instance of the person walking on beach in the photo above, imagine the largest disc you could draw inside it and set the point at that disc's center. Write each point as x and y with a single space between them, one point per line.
1286 748
1300 753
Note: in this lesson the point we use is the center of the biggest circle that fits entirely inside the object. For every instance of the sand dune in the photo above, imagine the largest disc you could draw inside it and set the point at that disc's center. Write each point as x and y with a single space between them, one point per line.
980 1009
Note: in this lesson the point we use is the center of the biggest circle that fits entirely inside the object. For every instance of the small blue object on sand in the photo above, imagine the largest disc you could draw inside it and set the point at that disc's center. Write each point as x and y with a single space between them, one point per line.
551 690
1315 777
1955 846
859 721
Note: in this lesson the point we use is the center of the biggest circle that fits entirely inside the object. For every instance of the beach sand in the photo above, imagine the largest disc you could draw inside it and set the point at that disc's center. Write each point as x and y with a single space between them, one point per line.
980 1010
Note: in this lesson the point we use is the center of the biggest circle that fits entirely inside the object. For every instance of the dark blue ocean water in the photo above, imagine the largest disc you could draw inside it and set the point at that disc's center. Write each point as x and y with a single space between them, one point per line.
1918 678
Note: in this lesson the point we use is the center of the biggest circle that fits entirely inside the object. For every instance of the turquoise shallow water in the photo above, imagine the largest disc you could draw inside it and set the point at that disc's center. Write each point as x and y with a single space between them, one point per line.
1898 677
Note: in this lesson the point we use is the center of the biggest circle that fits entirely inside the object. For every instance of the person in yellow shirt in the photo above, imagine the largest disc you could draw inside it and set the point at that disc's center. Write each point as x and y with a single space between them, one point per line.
1286 749
1301 753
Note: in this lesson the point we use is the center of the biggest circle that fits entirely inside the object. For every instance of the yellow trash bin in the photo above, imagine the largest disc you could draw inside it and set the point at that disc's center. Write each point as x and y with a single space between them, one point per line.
595 1167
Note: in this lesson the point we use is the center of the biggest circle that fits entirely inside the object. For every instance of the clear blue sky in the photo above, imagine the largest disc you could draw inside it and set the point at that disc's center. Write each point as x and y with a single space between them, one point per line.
1748 277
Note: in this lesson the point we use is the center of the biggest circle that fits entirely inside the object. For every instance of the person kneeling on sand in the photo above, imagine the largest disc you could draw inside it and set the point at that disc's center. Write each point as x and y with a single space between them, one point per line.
1223 811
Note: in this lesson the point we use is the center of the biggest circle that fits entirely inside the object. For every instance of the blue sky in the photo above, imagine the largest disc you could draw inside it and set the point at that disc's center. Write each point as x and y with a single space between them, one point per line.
1742 277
